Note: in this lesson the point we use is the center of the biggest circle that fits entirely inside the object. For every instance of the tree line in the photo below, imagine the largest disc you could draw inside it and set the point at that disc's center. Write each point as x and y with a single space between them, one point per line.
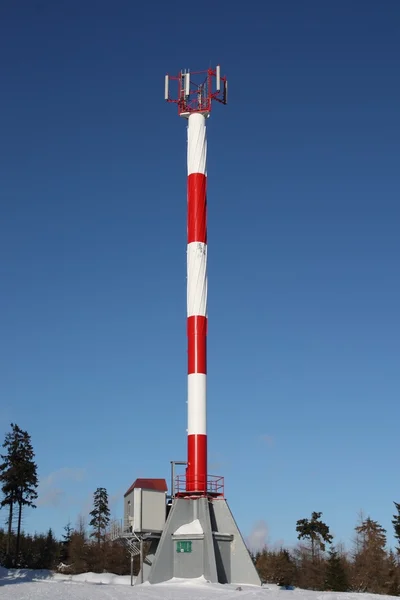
76 552
368 567
80 549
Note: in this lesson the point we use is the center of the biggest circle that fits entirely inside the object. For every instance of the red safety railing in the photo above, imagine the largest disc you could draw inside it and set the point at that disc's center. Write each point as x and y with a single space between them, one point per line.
185 486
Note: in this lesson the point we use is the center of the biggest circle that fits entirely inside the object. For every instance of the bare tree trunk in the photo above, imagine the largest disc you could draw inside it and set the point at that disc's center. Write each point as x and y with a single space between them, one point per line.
18 531
10 518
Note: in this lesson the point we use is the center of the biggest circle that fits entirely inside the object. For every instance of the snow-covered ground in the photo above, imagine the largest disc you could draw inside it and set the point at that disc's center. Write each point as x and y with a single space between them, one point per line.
43 585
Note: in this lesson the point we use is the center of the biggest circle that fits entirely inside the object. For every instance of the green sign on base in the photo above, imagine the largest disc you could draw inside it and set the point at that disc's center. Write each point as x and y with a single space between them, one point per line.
184 546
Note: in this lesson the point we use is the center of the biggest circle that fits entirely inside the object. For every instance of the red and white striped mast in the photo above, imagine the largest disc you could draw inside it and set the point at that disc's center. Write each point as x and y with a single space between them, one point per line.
196 92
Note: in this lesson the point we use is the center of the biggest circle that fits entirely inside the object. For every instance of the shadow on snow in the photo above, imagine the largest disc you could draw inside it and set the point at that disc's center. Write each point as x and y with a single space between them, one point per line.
12 576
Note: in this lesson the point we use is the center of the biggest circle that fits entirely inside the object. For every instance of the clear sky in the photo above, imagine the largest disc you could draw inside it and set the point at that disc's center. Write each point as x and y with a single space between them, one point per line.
304 292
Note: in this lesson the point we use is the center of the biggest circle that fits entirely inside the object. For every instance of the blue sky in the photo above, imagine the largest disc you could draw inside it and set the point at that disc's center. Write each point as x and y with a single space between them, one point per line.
304 292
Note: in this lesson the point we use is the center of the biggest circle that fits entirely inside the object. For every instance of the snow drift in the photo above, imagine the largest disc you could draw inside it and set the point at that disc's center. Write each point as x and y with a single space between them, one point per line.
24 584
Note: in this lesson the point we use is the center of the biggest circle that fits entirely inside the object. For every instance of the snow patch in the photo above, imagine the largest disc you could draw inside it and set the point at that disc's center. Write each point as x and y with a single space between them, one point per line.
191 582
190 528
31 575
25 584
96 578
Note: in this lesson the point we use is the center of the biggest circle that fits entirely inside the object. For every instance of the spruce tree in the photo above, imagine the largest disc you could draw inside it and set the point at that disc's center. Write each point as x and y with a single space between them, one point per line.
396 525
28 481
336 575
393 582
8 478
370 560
18 476
65 542
78 552
285 568
51 551
314 530
100 515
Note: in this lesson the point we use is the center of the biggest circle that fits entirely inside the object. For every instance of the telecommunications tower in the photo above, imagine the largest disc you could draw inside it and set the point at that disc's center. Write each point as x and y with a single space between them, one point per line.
195 95
200 536
190 533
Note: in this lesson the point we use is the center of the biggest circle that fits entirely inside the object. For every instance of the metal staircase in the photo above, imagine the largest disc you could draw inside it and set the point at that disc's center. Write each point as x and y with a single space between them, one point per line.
122 531
137 544
133 543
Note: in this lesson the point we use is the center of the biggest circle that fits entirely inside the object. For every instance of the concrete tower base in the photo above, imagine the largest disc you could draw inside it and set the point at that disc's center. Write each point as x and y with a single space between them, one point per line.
200 538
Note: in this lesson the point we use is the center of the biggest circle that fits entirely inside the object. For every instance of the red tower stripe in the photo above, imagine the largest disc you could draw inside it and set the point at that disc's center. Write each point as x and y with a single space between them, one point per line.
197 208
196 472
197 344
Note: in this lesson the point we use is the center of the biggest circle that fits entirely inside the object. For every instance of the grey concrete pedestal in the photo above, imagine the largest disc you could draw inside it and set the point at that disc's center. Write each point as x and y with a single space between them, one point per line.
200 538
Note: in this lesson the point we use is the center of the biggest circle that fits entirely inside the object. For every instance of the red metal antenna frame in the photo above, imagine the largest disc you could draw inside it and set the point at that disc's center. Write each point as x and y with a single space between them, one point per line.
201 93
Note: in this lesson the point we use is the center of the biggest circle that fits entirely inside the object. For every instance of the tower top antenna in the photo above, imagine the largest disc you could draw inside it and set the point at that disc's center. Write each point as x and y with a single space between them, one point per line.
196 90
